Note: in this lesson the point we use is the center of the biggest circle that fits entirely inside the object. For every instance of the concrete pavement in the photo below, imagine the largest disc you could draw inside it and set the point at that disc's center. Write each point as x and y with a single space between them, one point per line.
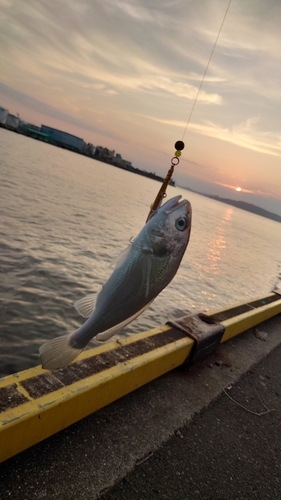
183 418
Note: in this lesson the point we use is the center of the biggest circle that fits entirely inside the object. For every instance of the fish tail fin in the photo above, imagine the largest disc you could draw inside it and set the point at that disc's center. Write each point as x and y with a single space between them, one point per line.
58 353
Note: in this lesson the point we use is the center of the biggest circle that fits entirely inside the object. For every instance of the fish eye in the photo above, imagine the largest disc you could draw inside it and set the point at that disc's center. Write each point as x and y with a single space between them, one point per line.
181 223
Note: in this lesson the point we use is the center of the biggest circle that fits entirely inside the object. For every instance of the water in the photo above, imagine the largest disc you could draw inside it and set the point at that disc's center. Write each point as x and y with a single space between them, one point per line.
64 217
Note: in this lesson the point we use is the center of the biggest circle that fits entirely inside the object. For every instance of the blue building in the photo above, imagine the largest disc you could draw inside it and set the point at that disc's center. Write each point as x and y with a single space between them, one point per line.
63 138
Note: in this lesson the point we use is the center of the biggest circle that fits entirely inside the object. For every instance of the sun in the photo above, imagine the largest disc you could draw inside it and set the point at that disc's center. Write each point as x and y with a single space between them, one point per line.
238 189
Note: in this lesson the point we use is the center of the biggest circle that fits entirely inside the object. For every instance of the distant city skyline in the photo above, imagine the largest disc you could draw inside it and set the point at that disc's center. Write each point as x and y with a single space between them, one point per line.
62 138
124 75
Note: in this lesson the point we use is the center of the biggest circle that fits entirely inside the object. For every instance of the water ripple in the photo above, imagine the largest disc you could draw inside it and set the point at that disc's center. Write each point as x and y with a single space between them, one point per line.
65 217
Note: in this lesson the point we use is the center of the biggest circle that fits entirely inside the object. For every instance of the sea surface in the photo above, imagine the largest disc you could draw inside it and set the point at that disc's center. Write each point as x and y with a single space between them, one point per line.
63 219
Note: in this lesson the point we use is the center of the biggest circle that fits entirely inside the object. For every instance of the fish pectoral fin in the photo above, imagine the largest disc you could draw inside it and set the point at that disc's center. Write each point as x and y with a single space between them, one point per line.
146 268
58 353
86 305
120 259
107 334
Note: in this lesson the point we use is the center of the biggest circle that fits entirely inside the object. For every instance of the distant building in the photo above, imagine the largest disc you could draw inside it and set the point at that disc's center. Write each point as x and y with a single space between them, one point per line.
28 126
63 138
104 154
89 149
3 115
118 161
35 132
12 121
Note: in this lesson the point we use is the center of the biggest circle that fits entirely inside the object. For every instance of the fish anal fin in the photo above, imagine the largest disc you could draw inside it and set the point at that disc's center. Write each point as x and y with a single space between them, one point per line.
107 334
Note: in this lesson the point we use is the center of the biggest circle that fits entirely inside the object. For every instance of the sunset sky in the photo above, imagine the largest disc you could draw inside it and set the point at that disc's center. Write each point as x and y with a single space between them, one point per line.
124 75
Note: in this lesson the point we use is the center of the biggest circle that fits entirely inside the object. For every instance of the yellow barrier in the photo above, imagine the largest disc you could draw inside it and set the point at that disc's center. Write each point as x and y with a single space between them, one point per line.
36 403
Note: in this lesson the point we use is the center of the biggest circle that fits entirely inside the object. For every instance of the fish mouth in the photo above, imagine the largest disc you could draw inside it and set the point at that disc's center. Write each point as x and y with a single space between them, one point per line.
175 203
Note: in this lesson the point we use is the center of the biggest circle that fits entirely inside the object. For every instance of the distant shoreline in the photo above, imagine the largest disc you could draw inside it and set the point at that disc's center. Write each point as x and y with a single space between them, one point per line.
243 205
130 168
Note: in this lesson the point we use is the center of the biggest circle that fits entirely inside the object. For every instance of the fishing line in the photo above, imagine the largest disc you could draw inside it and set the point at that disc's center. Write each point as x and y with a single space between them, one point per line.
206 70
179 145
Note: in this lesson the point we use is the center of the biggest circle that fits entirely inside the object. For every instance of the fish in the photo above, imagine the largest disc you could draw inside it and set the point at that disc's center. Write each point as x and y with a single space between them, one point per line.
141 272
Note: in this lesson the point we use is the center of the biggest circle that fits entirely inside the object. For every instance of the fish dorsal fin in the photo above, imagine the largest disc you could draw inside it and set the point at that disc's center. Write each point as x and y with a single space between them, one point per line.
120 259
86 305
107 334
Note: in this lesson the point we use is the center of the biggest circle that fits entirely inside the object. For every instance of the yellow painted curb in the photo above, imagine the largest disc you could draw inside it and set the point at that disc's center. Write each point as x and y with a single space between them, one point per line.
36 403
253 313
40 411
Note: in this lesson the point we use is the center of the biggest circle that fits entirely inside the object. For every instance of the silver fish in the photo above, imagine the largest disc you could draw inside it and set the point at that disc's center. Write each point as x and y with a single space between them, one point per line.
142 270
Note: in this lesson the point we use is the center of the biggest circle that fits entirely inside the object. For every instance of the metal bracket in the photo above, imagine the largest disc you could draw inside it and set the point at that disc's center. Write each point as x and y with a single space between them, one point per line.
205 331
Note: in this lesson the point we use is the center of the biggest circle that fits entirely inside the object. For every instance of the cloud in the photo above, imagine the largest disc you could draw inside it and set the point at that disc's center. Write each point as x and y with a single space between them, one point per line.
49 111
130 69
245 134
134 10
259 192
181 89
